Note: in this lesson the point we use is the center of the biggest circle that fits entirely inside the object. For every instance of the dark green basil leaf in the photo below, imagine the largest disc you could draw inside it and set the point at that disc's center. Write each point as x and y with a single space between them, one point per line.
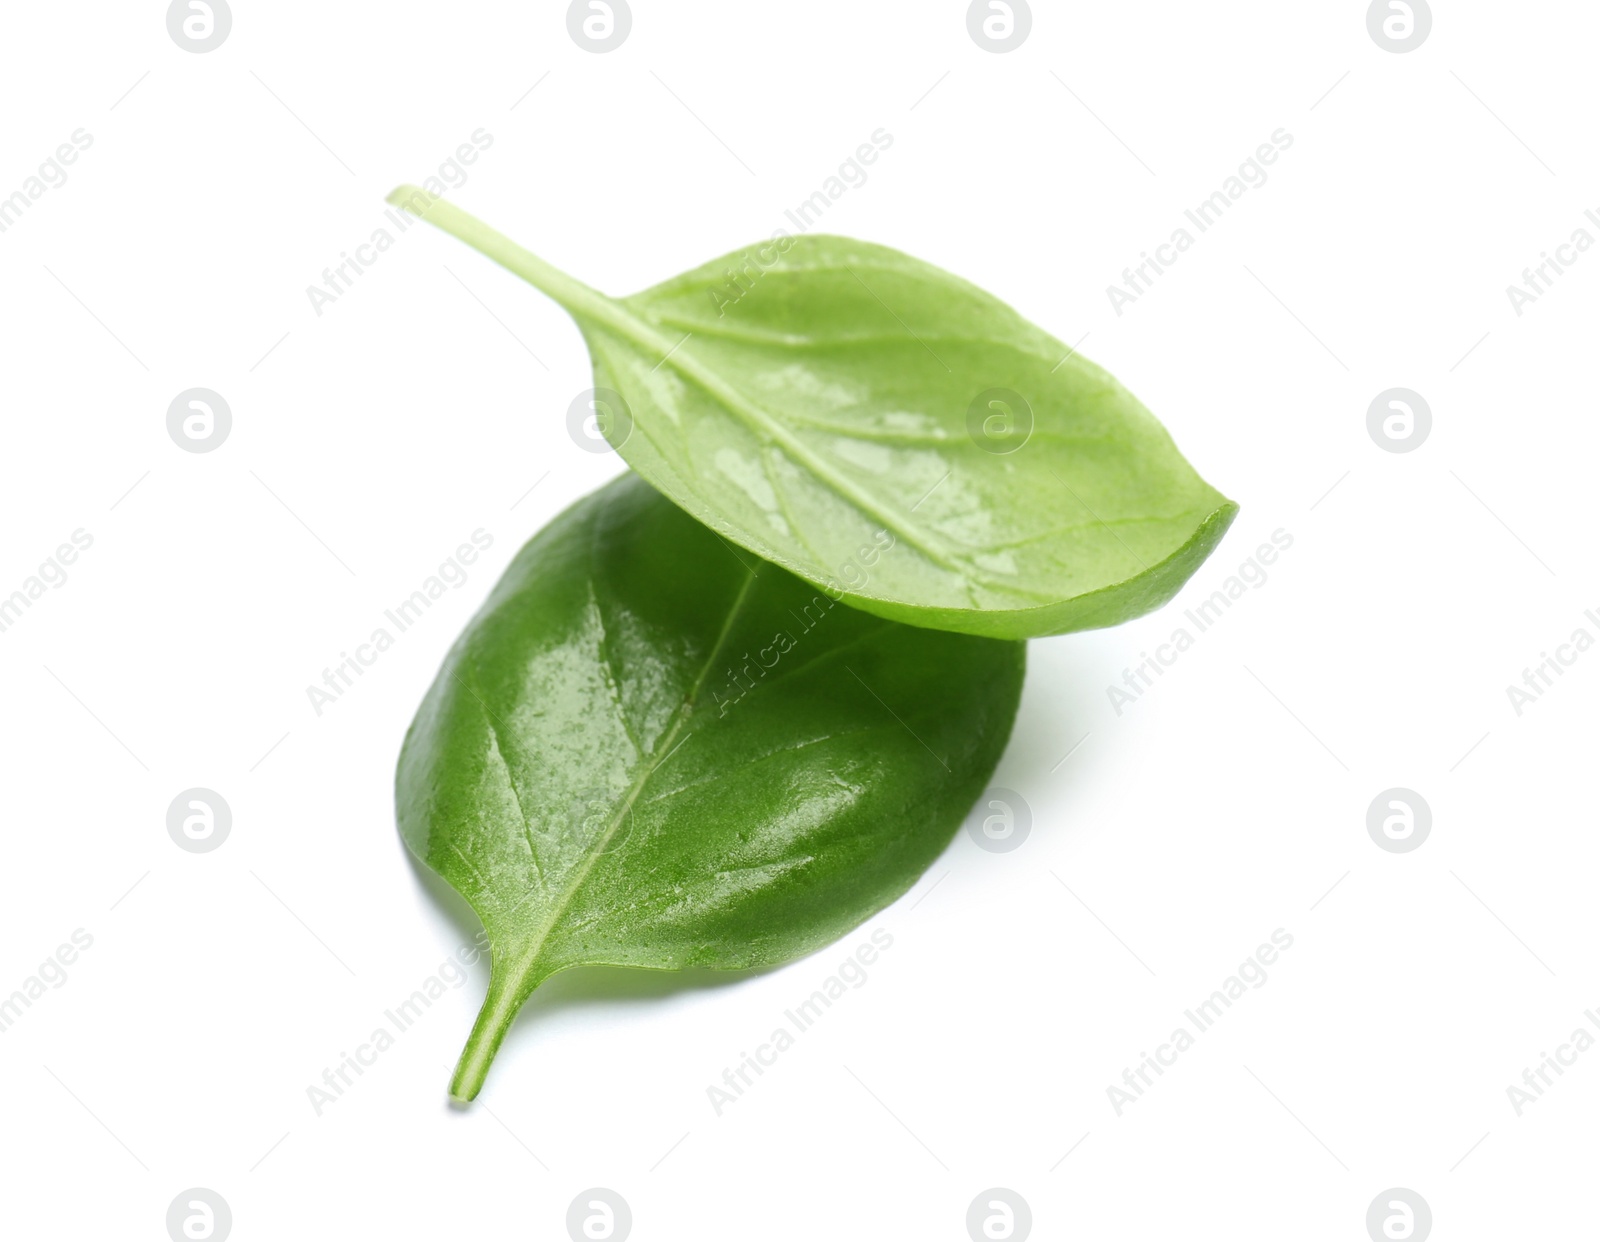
799 396
650 750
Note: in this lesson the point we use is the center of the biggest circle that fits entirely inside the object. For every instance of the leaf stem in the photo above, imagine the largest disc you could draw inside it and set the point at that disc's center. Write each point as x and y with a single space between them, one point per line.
514 974
591 307
578 298
509 986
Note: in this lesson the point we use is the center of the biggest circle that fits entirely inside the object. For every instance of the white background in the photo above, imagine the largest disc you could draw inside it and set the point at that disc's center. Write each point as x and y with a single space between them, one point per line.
1227 802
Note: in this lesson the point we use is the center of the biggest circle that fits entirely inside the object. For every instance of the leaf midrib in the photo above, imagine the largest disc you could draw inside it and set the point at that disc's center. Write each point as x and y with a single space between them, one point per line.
587 304
531 947
584 303
682 359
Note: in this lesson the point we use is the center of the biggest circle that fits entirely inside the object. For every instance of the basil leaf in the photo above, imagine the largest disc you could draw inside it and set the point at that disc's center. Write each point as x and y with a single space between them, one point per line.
798 396
648 750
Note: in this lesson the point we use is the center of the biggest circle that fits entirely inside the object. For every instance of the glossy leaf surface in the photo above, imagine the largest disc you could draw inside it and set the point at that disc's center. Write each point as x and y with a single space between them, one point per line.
801 396
650 750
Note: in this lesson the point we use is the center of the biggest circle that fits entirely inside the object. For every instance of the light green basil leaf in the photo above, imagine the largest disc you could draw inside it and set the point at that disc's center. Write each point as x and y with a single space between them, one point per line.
801 396
650 750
